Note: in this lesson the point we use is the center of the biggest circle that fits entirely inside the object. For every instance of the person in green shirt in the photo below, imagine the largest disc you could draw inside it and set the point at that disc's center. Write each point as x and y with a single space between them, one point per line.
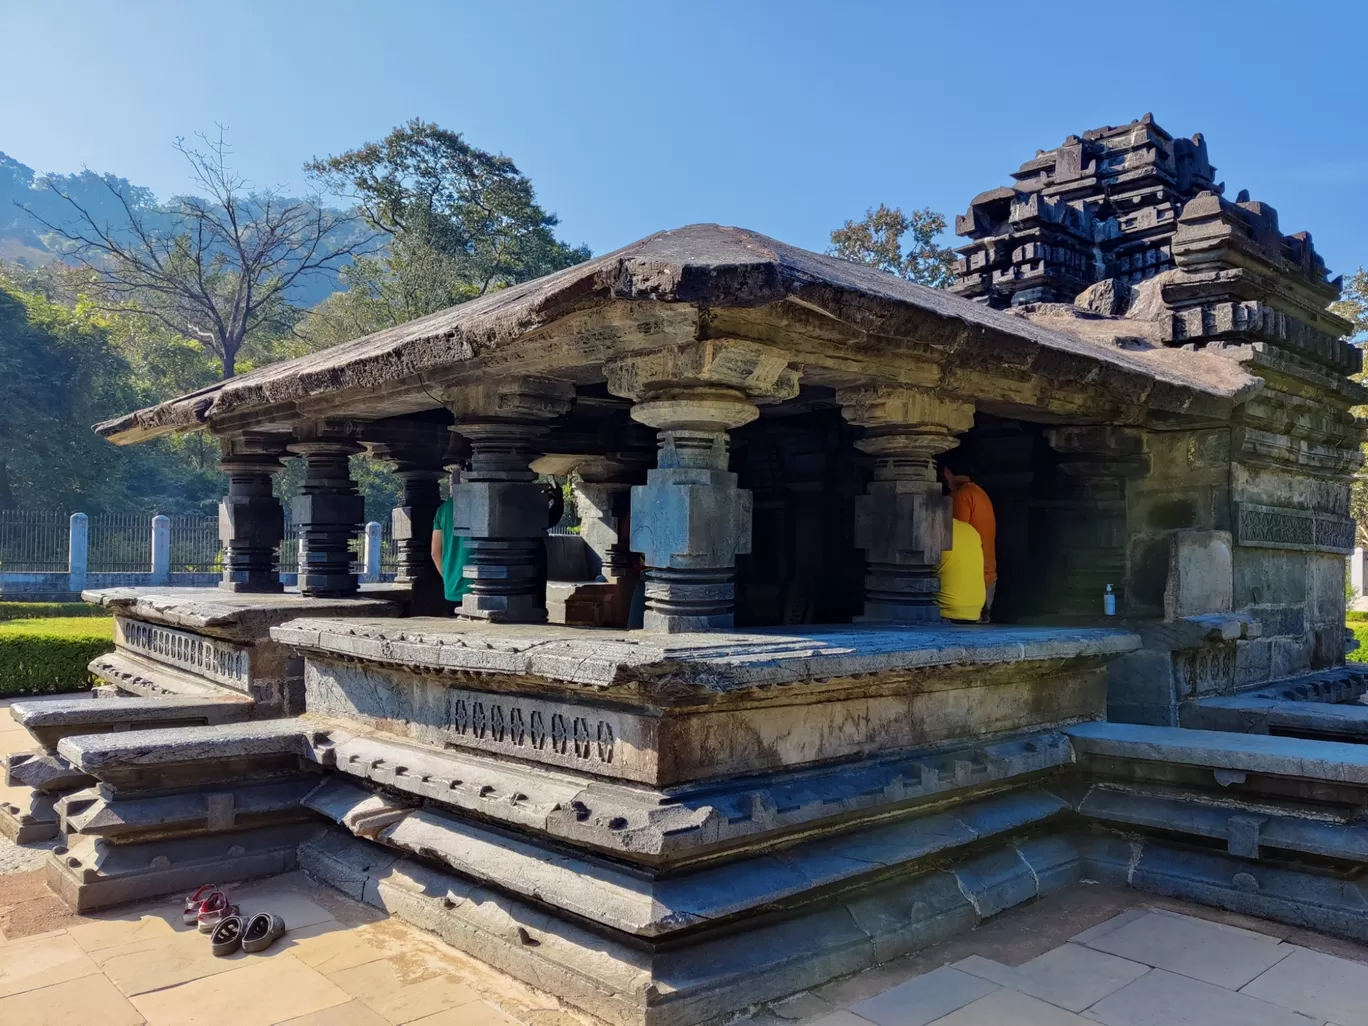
450 558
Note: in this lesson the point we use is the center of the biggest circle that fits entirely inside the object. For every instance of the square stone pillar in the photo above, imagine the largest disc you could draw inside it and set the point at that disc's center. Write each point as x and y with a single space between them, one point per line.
499 506
903 521
328 511
690 520
251 518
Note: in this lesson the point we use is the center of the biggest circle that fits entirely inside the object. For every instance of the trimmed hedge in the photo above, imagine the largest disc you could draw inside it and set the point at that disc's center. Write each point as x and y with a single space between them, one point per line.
46 656
45 610
1356 616
1360 630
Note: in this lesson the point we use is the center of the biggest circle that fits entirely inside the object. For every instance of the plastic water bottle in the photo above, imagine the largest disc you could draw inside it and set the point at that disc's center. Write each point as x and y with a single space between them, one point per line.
1109 601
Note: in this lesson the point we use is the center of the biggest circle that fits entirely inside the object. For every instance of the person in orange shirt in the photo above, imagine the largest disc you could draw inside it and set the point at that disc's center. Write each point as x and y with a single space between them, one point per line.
973 507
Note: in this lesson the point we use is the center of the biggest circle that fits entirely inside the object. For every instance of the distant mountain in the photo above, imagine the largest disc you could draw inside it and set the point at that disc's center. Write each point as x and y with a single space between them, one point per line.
24 240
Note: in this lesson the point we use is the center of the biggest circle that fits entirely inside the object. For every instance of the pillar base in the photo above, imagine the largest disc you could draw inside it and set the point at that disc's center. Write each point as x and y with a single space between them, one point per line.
252 582
683 601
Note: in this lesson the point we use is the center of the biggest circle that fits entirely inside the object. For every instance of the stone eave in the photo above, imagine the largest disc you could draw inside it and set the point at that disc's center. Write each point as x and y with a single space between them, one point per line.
701 268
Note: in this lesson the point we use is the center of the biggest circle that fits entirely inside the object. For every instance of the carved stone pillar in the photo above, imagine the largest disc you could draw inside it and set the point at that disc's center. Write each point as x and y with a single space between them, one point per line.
903 521
499 506
419 461
603 494
329 512
251 519
690 520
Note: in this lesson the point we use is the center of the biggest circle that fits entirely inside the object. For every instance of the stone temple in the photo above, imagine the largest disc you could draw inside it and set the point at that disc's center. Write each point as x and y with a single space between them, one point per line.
795 771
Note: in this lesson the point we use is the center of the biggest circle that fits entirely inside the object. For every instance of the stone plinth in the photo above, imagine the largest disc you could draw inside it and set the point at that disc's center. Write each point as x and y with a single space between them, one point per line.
668 709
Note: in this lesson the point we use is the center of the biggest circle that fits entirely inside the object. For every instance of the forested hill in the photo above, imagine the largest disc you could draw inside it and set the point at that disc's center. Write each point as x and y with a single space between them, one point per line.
24 239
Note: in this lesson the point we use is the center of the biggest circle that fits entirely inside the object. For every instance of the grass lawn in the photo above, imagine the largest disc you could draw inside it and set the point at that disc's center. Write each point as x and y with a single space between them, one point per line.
1360 629
48 655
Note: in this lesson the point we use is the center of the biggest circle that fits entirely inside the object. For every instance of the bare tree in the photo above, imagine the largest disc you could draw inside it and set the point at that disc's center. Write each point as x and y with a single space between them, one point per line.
217 269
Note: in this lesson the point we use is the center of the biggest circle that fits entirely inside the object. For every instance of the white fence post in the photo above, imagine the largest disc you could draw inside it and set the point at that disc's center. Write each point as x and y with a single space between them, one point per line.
370 558
1356 572
161 549
78 552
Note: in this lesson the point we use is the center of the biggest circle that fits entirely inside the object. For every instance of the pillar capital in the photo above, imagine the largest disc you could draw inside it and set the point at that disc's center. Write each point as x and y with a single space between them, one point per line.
527 398
760 373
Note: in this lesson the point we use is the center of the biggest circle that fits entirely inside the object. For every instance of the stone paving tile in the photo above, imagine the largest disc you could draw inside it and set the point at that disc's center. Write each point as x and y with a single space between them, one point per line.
260 994
1212 952
1070 976
923 999
41 962
1321 986
1161 998
406 986
90 999
353 1013
477 1013
802 1006
1005 1007
841 1018
336 950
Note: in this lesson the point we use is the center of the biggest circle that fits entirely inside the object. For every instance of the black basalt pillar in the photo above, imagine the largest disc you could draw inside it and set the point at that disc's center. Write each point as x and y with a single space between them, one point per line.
328 511
501 511
251 519
413 537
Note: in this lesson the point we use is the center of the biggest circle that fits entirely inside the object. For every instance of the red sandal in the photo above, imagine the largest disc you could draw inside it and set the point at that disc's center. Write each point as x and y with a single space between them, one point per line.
190 914
214 911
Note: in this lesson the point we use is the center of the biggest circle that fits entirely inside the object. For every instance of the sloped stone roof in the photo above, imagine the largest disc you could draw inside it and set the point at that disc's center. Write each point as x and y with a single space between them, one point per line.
706 266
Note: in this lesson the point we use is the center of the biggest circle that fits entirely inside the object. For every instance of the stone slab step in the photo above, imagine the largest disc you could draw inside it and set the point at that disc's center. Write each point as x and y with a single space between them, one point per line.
676 825
50 721
157 760
1243 753
1246 831
1250 714
94 874
631 902
43 771
220 810
636 983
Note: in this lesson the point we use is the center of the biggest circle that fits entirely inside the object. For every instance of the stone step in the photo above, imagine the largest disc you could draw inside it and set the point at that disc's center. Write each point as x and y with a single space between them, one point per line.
1256 715
91 814
182 757
1246 831
627 900
50 721
679 824
43 771
1230 753
634 982
94 873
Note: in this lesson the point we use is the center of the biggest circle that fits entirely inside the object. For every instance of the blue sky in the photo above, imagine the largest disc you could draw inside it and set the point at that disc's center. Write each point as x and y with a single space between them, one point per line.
635 116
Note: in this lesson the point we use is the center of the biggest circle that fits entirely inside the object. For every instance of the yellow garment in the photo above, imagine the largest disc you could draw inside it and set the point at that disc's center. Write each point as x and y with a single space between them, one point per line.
962 589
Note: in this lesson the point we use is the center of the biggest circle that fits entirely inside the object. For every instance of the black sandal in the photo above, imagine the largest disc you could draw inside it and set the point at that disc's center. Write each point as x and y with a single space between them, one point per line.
227 936
263 929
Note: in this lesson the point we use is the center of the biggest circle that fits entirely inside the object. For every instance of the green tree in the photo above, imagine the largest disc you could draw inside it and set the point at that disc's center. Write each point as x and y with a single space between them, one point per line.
218 270
901 244
62 373
460 222
1353 302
